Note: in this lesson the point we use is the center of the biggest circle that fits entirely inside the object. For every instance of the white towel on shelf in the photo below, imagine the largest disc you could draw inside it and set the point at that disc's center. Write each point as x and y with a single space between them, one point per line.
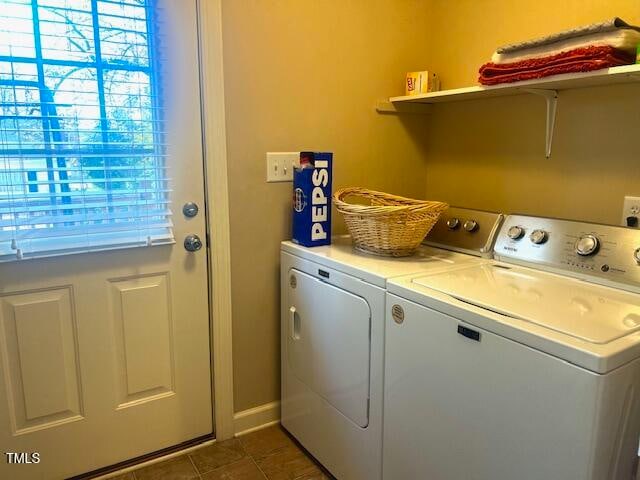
622 39
616 23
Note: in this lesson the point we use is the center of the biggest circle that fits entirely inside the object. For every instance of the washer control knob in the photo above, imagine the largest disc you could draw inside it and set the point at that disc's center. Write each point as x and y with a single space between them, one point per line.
515 232
587 245
470 225
636 255
539 237
453 223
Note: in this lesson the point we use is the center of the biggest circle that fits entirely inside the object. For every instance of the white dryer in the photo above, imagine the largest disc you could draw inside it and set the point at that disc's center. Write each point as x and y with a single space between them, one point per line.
332 337
524 368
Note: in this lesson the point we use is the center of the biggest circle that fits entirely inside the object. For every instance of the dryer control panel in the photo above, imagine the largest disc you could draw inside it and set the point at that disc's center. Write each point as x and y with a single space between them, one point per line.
466 230
601 253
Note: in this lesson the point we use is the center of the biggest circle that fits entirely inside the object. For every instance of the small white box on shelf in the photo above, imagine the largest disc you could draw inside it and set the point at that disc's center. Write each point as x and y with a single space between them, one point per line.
421 82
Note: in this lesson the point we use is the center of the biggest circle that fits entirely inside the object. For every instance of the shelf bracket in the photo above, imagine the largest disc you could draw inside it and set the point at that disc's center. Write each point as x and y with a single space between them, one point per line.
551 97
386 107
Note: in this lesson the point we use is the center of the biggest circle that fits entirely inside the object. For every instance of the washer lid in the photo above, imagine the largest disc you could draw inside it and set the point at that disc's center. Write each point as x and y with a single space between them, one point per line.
592 313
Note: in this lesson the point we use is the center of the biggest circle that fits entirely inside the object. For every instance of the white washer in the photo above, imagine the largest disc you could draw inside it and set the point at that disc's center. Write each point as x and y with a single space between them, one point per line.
333 304
525 368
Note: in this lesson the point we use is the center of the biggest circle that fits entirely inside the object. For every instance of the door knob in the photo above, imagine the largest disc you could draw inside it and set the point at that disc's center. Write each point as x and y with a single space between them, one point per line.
192 243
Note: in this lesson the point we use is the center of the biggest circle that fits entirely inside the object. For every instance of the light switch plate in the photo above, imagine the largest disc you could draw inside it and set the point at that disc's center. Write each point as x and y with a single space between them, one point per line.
631 208
280 166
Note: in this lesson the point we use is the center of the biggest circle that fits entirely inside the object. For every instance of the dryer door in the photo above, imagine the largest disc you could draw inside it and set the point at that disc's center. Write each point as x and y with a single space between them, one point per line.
329 344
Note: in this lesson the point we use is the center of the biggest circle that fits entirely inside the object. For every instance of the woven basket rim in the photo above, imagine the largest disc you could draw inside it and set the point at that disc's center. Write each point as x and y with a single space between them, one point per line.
411 205
392 226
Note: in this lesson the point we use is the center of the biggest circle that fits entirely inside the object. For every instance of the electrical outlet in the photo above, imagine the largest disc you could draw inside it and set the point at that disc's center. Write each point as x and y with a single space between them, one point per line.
280 166
631 208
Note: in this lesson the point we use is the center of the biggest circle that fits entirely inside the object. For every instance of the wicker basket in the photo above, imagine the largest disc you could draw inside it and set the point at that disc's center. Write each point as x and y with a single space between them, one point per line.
391 225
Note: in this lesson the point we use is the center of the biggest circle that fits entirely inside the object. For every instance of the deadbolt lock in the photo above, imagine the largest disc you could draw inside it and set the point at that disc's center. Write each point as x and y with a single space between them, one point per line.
190 209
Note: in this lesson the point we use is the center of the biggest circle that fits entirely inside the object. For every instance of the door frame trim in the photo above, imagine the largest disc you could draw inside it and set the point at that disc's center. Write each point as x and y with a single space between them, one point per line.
217 198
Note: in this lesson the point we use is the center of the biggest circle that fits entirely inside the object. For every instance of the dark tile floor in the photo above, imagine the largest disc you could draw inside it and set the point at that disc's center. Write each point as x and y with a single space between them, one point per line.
268 454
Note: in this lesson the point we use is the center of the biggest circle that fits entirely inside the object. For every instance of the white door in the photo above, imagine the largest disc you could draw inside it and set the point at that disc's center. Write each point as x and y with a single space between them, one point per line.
104 336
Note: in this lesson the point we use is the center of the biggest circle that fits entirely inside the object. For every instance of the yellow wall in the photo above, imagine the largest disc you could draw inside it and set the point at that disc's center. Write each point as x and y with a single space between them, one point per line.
303 74
490 153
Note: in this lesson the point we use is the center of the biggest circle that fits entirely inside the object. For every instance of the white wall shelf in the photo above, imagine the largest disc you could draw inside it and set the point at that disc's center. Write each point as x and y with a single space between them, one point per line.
546 87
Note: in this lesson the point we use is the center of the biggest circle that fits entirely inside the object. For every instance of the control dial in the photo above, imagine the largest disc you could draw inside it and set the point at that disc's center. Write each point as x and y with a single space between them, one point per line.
539 237
470 225
587 245
636 255
453 223
515 232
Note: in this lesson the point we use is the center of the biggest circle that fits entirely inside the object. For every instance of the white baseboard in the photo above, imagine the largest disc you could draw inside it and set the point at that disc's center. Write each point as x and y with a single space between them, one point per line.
256 418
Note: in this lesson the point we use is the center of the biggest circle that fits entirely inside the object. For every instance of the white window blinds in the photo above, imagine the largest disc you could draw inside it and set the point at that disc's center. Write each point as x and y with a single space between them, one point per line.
82 158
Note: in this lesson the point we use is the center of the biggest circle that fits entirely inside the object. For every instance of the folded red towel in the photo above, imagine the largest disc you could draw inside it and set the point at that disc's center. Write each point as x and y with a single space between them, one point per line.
579 60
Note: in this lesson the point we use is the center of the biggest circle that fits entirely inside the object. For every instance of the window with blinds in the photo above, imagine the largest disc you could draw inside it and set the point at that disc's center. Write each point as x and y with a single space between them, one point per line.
82 157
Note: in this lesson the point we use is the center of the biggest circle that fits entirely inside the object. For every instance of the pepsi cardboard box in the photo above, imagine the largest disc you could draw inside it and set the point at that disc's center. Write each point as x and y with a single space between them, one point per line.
312 199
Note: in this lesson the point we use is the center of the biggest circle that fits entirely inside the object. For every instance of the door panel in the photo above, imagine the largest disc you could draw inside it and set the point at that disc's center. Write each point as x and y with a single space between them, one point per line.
105 356
39 346
143 328
329 344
